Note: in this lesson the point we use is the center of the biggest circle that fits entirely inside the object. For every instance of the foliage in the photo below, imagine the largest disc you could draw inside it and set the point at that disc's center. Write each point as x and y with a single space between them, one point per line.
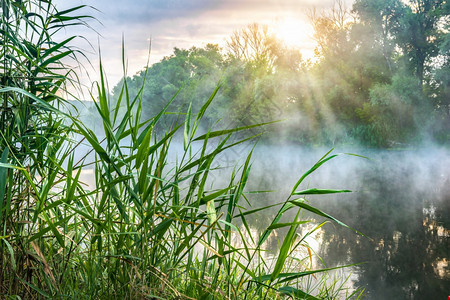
141 226
376 82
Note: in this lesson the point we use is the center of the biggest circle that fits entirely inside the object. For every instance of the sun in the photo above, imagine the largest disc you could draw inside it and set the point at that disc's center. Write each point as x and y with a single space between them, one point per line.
293 32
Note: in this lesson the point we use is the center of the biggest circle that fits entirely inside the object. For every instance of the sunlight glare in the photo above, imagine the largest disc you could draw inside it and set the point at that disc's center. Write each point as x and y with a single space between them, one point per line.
293 32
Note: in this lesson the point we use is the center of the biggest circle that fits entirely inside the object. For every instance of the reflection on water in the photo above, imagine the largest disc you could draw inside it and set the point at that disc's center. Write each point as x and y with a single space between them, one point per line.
401 201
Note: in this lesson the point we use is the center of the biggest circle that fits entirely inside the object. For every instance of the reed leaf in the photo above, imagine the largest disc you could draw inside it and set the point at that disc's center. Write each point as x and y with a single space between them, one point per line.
319 192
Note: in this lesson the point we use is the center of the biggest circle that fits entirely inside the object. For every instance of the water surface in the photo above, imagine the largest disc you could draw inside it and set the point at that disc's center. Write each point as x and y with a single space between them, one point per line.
400 200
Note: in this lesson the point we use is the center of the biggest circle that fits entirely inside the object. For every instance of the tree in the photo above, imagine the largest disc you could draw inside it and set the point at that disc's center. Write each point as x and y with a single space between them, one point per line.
419 33
190 74
380 21
331 30
255 44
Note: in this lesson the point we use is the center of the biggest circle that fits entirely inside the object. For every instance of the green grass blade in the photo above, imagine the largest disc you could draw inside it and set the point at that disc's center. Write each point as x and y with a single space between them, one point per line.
319 192
11 253
213 134
281 225
187 127
3 180
284 250
296 293
301 203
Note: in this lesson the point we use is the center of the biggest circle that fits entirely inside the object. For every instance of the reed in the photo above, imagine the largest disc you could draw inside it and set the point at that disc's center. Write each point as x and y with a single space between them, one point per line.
147 228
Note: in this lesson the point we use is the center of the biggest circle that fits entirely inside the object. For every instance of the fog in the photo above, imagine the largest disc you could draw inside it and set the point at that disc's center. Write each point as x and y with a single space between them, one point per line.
400 200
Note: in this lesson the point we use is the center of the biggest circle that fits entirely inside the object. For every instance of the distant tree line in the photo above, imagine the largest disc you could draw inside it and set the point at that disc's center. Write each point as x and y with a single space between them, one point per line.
381 78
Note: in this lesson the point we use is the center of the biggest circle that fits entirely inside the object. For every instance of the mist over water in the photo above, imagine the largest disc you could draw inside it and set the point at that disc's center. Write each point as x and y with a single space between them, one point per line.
400 200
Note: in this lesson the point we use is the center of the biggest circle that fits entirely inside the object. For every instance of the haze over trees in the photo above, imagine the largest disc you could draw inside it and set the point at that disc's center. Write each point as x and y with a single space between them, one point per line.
132 199
103 213
380 78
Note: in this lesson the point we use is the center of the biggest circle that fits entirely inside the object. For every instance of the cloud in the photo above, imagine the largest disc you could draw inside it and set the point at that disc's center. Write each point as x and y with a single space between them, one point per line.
148 11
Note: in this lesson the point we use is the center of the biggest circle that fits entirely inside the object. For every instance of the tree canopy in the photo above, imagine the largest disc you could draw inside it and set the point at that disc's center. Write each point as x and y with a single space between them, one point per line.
380 77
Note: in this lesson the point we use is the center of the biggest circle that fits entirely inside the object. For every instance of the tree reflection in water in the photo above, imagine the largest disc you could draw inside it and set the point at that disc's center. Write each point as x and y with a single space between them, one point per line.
401 200
405 209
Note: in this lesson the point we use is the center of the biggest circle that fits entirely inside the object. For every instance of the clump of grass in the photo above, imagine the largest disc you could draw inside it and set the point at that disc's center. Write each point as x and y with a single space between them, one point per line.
147 228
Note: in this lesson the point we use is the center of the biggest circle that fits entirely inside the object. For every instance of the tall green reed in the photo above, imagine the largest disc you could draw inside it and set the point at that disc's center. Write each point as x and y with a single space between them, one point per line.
32 134
146 228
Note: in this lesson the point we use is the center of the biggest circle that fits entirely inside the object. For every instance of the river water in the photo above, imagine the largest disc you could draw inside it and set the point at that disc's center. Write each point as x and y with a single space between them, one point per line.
400 201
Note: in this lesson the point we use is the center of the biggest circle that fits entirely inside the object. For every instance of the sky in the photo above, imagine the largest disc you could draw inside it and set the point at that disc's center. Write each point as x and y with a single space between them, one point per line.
181 23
